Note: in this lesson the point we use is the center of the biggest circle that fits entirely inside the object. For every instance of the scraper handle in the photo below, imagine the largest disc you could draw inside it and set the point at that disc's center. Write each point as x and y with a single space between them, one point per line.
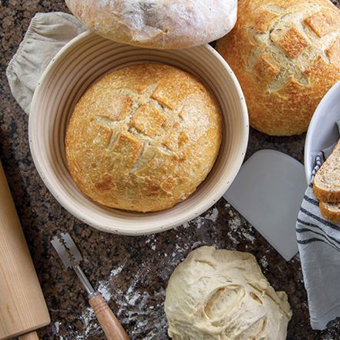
29 336
110 325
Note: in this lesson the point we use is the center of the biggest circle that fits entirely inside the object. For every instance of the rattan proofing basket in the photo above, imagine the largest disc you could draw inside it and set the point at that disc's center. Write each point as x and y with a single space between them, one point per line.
83 61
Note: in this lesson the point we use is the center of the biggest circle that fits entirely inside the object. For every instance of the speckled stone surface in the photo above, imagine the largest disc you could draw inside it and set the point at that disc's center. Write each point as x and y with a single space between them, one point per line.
131 272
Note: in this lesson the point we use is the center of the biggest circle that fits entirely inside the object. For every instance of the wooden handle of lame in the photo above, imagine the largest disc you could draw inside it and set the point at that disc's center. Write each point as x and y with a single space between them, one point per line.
29 336
111 326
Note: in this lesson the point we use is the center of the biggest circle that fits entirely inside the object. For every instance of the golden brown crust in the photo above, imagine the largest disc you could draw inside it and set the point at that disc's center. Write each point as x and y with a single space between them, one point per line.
329 214
285 53
143 137
292 42
325 195
265 68
333 53
323 22
263 20
326 181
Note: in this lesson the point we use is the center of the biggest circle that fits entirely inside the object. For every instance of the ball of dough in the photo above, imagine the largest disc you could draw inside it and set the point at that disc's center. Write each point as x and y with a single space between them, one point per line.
223 295
286 56
161 24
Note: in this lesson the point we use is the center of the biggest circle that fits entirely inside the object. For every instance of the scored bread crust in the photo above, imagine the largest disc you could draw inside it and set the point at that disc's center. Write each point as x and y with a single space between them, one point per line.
162 24
286 56
331 211
326 185
143 137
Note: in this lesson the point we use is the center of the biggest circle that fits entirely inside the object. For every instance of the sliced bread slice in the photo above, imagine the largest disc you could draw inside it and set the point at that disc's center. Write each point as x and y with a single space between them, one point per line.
326 184
331 211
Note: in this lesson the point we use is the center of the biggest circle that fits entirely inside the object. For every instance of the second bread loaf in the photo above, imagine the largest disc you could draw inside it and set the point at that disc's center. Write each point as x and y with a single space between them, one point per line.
286 55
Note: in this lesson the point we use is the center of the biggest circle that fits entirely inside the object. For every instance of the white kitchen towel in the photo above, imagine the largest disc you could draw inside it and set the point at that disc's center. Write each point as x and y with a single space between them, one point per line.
319 247
46 35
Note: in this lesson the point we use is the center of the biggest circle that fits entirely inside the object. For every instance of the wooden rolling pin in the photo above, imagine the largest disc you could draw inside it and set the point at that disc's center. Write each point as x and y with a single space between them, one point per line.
22 305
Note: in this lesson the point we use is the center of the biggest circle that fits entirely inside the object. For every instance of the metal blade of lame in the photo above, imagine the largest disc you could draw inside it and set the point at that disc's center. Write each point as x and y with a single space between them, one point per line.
62 252
67 250
70 256
71 246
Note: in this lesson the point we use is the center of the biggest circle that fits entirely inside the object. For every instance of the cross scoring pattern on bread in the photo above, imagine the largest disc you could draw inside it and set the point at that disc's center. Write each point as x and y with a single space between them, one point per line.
285 58
146 143
142 128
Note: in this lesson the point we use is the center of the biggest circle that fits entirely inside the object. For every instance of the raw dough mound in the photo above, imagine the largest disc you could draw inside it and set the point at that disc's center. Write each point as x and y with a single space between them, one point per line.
222 294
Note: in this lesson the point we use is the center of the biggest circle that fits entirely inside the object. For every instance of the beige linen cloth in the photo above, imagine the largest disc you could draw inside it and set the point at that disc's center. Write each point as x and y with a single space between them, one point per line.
46 35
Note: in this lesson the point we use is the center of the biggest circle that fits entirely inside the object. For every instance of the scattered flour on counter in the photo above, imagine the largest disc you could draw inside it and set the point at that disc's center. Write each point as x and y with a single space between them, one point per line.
213 215
235 223
140 307
90 327
239 228
263 261
197 222
105 290
88 319
186 225
55 330
232 238
56 327
104 287
116 271
248 236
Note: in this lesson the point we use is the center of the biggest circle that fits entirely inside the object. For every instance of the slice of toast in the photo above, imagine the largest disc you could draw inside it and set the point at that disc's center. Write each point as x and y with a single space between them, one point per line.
331 211
326 184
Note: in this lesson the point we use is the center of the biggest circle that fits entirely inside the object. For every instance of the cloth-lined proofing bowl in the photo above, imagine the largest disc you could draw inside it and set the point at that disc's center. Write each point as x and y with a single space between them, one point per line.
83 61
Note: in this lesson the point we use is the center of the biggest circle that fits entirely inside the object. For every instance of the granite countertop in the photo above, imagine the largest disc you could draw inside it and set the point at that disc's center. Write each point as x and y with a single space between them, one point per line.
131 272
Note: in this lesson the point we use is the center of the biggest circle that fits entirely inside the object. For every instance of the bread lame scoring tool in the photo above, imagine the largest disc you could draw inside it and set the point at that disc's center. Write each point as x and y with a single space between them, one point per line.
71 257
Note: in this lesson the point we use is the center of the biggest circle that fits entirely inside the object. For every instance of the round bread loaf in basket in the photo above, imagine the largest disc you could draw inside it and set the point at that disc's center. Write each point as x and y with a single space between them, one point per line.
82 62
143 137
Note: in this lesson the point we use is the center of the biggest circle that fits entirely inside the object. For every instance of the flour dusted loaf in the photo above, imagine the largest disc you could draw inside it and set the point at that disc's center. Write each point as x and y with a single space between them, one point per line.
143 137
162 24
286 55
223 295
